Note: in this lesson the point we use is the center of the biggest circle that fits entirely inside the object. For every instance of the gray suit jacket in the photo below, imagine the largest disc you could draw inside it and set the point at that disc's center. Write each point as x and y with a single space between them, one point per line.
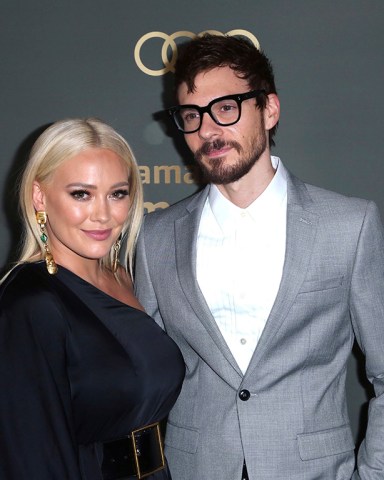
294 425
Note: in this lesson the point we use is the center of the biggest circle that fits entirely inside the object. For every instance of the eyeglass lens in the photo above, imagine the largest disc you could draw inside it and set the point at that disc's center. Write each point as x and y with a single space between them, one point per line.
224 112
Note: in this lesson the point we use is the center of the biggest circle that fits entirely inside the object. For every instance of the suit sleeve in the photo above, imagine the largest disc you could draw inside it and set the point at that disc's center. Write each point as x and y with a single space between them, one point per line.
367 313
142 281
36 427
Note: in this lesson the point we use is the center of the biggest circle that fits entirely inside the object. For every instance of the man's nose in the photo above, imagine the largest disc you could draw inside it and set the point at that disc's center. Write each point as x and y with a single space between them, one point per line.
209 128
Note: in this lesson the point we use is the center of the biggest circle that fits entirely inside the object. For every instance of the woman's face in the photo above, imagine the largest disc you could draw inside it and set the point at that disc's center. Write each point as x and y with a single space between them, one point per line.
87 202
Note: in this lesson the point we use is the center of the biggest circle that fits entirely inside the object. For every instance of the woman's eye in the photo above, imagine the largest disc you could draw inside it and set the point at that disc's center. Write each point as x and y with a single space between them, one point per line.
80 194
119 194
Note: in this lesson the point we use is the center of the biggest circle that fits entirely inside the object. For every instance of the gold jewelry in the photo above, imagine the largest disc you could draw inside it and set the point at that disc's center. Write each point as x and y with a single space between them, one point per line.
41 218
115 260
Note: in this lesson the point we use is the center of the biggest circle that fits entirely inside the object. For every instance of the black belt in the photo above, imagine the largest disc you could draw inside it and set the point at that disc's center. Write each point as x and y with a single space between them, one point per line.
136 455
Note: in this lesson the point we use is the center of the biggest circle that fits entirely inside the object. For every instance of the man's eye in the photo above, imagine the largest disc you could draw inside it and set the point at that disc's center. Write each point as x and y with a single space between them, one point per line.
190 116
228 107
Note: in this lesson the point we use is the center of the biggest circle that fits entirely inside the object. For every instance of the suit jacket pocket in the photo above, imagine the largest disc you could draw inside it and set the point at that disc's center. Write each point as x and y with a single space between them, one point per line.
326 442
318 285
181 438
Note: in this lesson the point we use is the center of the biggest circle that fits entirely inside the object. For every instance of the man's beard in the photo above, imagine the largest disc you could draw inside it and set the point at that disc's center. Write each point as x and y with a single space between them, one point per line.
220 174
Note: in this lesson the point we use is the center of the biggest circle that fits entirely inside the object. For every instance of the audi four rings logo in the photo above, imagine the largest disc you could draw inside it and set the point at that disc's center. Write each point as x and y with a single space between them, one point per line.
170 48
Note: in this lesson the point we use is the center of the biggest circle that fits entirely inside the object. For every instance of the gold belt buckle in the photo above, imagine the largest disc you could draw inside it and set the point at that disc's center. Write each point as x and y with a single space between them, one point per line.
137 453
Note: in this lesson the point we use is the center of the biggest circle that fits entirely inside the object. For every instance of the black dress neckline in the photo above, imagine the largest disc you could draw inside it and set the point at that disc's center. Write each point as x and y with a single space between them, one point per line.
65 273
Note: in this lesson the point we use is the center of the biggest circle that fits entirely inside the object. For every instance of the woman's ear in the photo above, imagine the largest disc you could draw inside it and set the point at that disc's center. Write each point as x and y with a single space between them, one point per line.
272 111
38 196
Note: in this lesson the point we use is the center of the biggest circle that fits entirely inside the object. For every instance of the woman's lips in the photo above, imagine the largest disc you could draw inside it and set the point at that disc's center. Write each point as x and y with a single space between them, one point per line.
99 235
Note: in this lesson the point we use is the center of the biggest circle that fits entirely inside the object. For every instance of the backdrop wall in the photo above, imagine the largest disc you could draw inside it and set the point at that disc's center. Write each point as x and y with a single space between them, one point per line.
114 60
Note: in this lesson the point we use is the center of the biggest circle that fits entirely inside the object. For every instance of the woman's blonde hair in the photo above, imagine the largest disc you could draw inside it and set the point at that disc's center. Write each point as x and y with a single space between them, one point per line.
58 143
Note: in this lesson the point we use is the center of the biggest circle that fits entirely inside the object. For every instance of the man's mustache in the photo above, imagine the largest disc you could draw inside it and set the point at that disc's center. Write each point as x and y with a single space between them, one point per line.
209 147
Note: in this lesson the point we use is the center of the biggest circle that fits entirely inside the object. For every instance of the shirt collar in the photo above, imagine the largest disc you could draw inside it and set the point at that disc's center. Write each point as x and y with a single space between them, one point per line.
226 213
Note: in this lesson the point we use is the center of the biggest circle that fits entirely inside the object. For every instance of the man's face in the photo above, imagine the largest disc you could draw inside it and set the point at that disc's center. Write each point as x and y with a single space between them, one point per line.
225 153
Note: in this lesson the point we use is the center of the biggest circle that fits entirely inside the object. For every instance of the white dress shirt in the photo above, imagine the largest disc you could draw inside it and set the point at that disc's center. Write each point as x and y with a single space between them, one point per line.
240 257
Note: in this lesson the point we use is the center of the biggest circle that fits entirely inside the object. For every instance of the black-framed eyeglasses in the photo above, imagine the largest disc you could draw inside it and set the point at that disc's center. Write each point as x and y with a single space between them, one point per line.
224 111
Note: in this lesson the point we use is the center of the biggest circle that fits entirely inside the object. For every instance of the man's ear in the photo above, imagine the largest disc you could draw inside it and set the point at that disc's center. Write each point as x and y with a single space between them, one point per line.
38 196
272 111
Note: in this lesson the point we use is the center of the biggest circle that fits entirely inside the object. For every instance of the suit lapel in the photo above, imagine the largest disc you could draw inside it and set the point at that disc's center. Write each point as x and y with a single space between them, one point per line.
301 232
300 236
186 230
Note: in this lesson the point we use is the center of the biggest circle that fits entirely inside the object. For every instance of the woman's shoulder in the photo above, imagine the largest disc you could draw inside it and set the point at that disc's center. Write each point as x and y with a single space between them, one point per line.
29 289
32 312
24 277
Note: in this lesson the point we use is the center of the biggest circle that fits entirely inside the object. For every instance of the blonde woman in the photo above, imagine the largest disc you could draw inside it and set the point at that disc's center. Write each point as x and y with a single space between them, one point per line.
85 375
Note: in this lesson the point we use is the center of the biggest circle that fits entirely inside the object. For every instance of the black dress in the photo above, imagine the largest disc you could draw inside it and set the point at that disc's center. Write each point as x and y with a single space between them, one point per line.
77 369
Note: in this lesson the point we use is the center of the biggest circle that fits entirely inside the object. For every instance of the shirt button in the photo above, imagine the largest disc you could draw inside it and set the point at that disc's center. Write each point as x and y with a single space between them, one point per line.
243 341
244 395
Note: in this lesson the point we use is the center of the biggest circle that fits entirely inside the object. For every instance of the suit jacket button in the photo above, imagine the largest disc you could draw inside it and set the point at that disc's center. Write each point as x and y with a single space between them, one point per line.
244 395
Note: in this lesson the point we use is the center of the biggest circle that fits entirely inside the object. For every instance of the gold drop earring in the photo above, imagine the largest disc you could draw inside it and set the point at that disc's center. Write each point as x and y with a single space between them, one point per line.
41 218
116 250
